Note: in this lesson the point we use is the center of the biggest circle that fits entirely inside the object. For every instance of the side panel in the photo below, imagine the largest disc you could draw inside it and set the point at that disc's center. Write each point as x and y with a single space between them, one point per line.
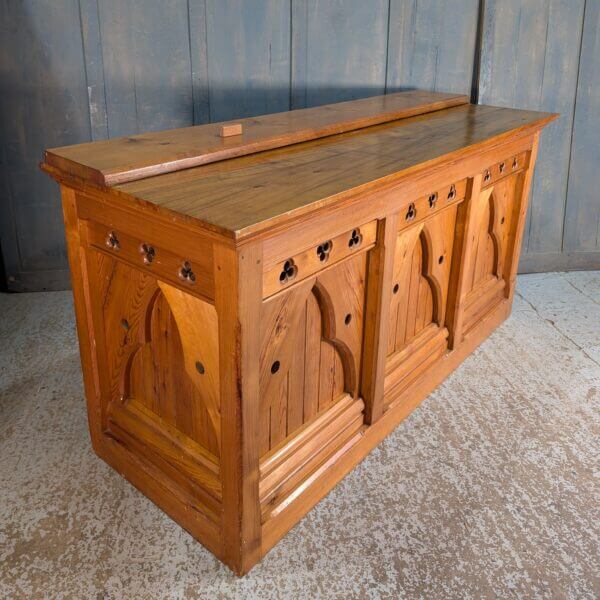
149 341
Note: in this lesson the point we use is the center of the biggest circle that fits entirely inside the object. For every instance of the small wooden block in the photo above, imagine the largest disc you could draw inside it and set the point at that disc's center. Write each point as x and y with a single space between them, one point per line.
229 130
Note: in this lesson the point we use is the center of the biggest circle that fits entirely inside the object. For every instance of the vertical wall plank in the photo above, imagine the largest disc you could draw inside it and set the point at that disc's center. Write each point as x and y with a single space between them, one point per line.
102 68
248 57
199 60
339 50
94 68
530 53
43 103
432 44
147 65
582 223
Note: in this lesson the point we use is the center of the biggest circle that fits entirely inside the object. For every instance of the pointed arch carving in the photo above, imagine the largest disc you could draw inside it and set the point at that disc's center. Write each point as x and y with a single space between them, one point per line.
172 323
310 349
430 274
494 234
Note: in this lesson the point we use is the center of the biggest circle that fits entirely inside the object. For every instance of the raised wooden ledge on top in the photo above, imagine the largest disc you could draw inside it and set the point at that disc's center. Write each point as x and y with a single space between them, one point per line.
251 328
138 156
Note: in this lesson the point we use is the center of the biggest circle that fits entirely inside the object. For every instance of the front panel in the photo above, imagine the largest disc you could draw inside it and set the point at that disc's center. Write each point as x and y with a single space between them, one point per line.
310 353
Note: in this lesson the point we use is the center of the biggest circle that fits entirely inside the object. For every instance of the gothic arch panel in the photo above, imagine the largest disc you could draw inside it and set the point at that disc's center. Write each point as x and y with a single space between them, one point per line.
310 350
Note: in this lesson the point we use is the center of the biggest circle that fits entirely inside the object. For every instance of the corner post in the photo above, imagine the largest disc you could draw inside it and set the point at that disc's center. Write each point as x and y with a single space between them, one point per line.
377 310
522 204
83 314
238 282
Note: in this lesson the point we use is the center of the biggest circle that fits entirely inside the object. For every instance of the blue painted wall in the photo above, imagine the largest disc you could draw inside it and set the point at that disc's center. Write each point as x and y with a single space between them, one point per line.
77 70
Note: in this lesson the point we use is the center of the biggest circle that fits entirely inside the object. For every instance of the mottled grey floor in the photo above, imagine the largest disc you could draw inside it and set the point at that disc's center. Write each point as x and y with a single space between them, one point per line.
489 489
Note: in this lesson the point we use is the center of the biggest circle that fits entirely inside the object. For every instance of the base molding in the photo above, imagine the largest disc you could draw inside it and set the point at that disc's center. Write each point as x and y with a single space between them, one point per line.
543 262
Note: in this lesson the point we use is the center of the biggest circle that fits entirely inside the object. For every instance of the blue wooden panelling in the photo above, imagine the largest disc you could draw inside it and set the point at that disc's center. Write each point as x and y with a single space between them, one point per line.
147 65
248 57
432 44
582 224
43 102
339 50
199 58
530 53
93 69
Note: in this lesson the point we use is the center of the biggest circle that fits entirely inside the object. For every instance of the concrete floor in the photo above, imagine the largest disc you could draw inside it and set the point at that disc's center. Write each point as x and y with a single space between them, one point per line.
489 489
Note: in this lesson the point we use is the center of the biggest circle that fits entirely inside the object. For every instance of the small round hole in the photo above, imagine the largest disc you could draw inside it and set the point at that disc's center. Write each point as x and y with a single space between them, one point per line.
396 288
275 367
125 324
347 319
199 367
441 259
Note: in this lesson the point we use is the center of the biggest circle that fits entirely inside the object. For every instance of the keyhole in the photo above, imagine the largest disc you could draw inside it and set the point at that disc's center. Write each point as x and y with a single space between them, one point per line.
432 200
125 324
275 367
347 319
440 260
396 288
200 367
411 213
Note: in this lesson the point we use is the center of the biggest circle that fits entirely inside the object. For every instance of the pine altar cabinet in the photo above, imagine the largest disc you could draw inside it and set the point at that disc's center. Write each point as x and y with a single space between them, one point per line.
260 302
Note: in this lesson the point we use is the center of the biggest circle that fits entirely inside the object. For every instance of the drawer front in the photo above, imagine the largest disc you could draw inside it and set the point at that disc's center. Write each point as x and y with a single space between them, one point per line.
318 257
432 203
191 273
504 168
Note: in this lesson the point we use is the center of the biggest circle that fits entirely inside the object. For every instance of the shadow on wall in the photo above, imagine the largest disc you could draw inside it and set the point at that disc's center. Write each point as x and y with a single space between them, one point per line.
43 102
52 94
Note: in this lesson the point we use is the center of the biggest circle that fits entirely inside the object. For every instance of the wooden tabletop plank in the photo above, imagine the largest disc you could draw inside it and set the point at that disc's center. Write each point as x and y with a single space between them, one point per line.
131 158
253 193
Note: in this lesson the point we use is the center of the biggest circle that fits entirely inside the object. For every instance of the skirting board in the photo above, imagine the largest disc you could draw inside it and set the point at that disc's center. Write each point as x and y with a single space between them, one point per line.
564 261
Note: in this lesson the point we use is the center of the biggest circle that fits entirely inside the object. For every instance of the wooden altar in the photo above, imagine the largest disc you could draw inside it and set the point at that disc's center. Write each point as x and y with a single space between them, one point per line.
259 303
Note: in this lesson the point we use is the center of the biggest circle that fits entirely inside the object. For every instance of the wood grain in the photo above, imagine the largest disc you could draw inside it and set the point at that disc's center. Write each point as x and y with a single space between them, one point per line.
279 185
233 398
138 156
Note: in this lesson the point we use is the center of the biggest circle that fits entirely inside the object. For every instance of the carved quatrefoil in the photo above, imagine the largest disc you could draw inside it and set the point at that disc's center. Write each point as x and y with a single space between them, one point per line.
147 253
355 238
112 241
186 272
289 271
323 250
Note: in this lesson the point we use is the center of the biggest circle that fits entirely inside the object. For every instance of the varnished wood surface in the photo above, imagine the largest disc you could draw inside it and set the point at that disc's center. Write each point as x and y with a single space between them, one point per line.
236 398
135 157
253 193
